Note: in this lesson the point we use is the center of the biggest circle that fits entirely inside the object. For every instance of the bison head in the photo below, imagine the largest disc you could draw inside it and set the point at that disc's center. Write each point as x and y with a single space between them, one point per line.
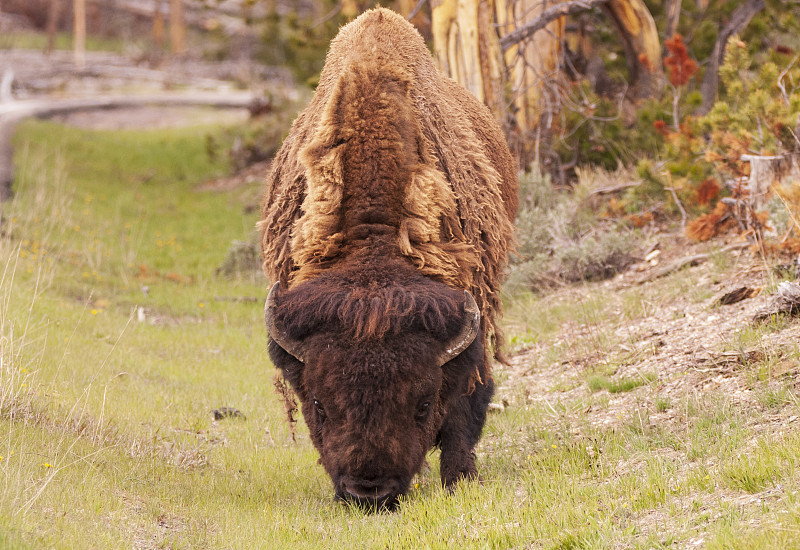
376 368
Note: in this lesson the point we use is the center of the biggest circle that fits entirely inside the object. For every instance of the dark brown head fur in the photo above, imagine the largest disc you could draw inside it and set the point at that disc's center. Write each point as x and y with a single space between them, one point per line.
373 396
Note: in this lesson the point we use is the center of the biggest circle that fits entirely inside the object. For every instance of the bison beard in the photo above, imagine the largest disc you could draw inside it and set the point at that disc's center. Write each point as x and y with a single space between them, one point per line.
386 224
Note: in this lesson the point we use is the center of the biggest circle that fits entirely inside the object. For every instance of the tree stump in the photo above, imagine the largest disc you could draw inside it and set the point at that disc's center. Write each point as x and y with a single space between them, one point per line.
768 171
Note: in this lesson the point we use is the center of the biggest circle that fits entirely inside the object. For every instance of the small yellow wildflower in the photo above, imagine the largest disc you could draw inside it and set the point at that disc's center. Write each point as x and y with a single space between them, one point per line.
555 446
47 465
202 304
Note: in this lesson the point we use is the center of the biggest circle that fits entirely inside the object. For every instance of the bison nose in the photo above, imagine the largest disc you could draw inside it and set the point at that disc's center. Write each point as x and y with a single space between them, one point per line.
371 493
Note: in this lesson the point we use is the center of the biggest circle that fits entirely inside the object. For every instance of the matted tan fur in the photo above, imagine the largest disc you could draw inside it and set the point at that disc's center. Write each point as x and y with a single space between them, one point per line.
444 151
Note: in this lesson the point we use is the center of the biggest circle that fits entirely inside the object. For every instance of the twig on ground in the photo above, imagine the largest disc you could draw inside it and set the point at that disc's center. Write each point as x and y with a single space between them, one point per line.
614 188
696 259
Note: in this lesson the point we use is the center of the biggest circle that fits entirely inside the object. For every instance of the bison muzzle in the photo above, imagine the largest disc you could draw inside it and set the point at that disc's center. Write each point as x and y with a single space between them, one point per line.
386 223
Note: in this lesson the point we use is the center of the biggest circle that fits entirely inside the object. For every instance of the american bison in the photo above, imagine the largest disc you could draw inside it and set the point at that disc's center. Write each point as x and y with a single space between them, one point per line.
386 222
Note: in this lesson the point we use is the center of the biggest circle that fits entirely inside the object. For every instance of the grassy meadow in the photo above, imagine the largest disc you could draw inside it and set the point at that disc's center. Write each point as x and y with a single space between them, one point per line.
117 342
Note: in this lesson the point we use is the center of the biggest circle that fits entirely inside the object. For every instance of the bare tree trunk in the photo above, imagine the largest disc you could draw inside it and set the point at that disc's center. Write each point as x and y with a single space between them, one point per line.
158 25
53 11
177 27
467 48
673 12
518 76
642 45
739 20
533 68
79 33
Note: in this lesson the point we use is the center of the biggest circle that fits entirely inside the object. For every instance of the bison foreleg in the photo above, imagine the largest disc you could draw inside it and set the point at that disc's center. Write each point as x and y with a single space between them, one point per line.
460 433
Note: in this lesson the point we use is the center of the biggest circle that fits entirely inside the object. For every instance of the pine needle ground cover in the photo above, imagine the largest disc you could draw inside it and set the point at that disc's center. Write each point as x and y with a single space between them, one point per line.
137 407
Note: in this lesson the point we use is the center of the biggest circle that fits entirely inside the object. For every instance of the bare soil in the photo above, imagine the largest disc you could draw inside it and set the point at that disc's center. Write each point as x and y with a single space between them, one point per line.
688 346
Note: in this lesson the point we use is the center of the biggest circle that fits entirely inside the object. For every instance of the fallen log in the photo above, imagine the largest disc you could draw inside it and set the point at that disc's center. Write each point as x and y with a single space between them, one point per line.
12 112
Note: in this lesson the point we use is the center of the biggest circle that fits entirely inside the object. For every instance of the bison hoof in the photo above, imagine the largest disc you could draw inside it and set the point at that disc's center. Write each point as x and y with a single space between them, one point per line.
455 468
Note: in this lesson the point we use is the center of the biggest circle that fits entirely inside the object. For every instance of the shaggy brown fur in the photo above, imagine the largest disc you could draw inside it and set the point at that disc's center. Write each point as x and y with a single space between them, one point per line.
392 194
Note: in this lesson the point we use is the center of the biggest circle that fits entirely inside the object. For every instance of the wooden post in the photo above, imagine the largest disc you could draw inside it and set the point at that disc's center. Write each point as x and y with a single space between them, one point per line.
177 27
79 33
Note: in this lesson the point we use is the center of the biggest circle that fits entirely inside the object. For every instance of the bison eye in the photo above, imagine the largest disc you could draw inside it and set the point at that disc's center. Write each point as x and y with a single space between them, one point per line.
423 411
320 410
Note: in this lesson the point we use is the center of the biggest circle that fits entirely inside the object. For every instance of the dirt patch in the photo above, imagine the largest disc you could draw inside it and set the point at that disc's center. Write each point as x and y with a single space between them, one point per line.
681 346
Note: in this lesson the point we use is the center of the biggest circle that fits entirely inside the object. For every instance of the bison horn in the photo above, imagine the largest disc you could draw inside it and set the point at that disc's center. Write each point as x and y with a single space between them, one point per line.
465 336
291 345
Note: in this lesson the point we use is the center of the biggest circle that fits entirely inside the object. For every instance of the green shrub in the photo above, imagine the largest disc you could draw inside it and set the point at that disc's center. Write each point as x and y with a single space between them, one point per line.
561 239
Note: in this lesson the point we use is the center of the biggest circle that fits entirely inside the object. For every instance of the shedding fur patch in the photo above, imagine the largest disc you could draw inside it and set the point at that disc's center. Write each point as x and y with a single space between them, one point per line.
373 101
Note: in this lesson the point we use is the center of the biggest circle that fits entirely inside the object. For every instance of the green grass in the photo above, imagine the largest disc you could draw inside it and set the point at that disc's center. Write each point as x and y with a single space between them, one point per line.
32 40
106 433
599 382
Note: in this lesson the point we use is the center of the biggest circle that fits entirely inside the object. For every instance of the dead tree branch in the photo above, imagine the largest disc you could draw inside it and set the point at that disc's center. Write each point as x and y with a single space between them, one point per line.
693 260
416 10
546 17
739 20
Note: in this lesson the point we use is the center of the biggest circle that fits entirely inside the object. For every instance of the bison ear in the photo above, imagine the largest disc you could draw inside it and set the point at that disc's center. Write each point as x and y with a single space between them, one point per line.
277 332
470 324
